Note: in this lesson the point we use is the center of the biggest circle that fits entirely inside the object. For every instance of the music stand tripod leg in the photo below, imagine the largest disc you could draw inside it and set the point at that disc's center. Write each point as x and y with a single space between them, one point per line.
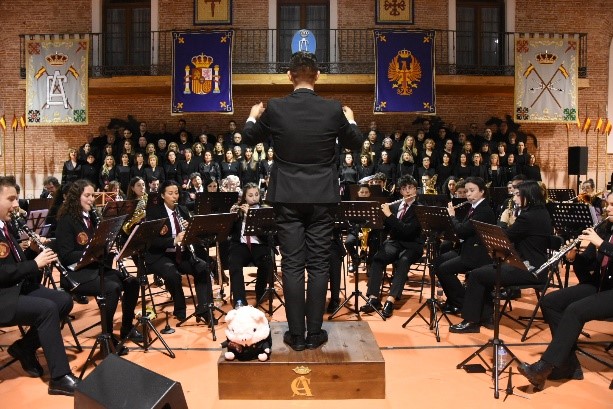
144 320
270 293
103 341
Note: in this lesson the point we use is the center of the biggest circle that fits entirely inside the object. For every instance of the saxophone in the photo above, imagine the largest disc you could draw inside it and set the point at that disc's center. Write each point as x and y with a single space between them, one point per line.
430 188
138 215
364 238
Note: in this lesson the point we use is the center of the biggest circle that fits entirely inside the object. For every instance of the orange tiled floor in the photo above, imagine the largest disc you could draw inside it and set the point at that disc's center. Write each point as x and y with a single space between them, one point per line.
420 372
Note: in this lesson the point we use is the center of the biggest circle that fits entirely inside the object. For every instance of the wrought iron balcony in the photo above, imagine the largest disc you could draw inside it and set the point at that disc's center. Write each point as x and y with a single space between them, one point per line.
266 51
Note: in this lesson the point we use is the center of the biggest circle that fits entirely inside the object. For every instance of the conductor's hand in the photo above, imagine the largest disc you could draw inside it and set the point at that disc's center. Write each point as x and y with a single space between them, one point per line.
385 208
45 257
591 236
348 113
257 110
179 238
450 209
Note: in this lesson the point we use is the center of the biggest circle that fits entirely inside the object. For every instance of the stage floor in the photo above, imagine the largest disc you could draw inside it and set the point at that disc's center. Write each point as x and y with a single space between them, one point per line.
419 372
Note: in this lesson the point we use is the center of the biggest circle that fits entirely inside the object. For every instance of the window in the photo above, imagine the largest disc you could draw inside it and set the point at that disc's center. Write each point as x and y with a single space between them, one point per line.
294 15
480 35
127 36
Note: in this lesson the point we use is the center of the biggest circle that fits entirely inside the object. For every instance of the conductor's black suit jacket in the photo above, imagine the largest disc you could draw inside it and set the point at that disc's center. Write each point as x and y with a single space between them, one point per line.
304 128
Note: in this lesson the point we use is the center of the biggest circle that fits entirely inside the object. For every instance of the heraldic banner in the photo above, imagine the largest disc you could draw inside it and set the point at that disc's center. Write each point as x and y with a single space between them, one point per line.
57 81
404 71
546 79
202 72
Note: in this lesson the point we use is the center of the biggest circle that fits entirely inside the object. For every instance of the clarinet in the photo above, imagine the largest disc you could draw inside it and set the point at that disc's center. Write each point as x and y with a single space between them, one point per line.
23 227
557 255
181 220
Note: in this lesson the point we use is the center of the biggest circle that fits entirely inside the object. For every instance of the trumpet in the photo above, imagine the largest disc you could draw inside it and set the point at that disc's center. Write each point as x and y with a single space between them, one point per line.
23 227
557 255
584 197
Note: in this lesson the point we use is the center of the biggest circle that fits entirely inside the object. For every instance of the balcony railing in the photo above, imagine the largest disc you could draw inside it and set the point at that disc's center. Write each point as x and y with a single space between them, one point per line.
338 51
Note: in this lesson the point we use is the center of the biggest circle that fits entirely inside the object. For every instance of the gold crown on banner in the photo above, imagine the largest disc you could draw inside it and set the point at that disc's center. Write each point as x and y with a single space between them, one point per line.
57 59
202 61
302 370
404 53
546 58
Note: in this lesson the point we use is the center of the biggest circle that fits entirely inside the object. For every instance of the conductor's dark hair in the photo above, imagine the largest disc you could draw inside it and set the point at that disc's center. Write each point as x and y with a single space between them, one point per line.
303 67
475 180
531 194
406 180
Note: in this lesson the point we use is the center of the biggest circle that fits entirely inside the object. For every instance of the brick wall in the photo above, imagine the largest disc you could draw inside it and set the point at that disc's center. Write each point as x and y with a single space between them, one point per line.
47 146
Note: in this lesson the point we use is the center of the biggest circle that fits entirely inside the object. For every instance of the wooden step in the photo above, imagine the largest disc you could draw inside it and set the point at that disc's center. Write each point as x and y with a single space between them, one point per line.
349 366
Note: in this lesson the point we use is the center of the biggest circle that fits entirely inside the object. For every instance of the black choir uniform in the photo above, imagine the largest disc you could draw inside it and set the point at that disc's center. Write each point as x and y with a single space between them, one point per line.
187 168
405 246
70 172
157 173
169 262
242 251
530 236
24 301
304 190
472 253
568 309
72 237
209 171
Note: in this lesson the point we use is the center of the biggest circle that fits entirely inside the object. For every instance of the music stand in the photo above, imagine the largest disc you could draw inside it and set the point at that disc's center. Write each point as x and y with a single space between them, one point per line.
363 214
214 202
561 195
207 228
137 244
97 251
260 222
435 223
118 208
35 221
569 220
502 251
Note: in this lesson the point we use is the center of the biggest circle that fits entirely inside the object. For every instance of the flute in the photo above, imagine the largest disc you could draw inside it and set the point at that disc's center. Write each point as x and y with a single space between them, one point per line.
460 205
401 200
22 226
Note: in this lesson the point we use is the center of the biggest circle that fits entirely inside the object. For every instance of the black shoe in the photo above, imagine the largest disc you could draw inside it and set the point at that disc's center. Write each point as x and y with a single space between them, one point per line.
333 306
296 342
317 339
465 327
388 309
27 359
180 315
134 336
159 281
372 305
536 373
450 309
571 369
509 294
65 385
80 299
124 350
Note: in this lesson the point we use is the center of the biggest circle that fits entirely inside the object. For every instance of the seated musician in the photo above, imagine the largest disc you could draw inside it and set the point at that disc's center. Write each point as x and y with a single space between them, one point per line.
509 203
77 222
24 301
472 253
568 309
460 189
354 238
196 186
167 259
590 196
530 236
405 246
247 249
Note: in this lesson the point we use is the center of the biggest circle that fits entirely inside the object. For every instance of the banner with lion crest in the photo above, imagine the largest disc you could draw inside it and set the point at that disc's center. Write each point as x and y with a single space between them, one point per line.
202 72
57 81
404 71
546 75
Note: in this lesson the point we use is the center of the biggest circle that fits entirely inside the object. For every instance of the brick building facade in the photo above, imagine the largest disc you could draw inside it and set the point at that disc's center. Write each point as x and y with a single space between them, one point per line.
46 147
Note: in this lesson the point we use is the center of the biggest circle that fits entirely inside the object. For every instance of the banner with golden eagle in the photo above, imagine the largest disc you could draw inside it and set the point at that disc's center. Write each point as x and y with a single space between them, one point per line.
404 71
202 72
57 81
546 75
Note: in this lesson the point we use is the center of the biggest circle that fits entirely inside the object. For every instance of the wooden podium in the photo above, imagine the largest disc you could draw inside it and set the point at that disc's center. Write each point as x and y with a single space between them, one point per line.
349 366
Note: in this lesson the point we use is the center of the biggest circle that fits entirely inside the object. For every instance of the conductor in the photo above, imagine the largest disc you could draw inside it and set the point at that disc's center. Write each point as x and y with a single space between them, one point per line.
304 190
